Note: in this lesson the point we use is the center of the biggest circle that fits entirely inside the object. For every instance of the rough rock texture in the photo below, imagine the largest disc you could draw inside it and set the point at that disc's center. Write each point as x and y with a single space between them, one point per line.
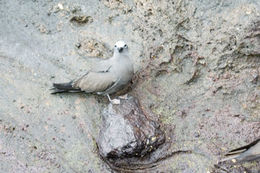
127 132
198 72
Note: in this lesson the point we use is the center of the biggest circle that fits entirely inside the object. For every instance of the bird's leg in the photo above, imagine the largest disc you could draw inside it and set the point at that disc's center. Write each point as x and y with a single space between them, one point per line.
109 97
114 101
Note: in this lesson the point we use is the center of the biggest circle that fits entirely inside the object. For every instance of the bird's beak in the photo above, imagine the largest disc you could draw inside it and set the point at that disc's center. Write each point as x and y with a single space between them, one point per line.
120 49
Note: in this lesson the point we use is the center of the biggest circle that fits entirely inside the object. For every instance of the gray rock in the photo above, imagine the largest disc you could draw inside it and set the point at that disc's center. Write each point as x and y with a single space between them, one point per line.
128 132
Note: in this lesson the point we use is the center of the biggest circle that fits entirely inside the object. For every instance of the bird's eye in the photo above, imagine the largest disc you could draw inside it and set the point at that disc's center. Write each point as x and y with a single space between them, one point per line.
115 45
125 46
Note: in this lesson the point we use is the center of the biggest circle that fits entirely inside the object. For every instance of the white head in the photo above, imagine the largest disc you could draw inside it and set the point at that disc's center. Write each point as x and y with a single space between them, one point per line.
120 47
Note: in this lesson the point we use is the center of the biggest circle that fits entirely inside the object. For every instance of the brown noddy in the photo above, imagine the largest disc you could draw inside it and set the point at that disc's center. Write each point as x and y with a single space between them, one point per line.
107 77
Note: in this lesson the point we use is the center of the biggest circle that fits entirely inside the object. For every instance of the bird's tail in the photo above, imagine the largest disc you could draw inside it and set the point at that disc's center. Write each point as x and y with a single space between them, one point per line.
63 88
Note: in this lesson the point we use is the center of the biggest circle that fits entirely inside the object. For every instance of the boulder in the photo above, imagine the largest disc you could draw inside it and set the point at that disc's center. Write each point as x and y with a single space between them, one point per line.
128 132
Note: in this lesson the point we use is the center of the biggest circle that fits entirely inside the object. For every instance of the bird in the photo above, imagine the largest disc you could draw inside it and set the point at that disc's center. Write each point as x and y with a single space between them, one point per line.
248 152
106 77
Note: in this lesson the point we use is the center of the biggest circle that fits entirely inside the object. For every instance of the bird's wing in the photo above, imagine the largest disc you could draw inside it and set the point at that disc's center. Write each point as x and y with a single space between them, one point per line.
102 66
247 152
95 81
243 148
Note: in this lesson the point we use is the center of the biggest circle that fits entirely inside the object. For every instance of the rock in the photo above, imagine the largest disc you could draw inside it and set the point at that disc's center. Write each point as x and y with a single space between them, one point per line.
168 42
128 132
250 45
81 20
90 47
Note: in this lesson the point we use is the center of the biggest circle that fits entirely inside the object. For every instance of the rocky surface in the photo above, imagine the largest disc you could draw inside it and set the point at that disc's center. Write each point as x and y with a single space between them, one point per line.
197 65
127 132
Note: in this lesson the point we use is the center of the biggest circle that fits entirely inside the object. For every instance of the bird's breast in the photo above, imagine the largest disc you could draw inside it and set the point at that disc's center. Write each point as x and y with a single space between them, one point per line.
124 71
